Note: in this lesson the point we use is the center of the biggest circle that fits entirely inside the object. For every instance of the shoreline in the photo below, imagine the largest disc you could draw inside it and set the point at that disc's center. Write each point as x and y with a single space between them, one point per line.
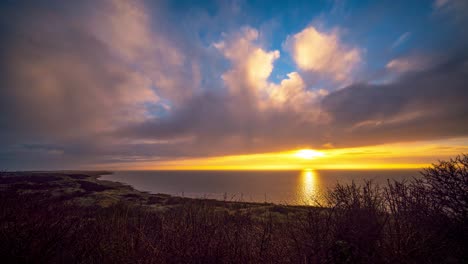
87 188
201 199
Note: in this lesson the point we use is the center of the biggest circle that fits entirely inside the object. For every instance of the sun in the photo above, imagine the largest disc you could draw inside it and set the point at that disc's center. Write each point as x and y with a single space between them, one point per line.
308 154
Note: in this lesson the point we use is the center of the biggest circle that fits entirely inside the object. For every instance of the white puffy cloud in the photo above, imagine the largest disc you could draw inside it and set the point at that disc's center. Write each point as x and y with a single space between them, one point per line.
292 92
251 65
323 53
251 68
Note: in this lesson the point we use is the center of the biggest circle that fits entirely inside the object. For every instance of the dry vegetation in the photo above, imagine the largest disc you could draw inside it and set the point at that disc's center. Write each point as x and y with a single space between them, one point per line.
47 218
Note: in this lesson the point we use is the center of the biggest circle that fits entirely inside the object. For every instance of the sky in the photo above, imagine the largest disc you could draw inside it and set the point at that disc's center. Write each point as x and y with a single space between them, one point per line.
329 84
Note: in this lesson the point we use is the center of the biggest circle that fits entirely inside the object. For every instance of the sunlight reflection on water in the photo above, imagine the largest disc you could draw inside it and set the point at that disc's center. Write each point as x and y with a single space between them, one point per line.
307 188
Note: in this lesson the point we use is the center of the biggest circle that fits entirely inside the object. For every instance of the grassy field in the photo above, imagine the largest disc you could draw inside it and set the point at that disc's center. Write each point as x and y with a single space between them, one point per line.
73 217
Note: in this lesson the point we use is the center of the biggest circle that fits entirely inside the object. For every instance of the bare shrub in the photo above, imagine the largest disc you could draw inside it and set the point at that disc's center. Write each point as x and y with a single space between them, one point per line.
447 183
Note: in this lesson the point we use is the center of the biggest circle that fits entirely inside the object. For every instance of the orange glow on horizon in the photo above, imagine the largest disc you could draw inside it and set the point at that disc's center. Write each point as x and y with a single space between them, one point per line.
414 155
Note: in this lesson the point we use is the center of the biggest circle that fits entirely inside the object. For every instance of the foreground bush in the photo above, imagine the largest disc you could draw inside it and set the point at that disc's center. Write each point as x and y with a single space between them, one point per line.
422 221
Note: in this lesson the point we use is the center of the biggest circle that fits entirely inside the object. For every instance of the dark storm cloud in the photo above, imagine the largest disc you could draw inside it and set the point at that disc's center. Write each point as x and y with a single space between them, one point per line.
424 105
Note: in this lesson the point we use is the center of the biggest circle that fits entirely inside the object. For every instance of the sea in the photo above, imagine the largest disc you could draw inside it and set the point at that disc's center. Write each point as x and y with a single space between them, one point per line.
304 187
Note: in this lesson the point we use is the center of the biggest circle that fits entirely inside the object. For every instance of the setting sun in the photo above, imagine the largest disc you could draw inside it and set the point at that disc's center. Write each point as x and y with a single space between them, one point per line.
308 154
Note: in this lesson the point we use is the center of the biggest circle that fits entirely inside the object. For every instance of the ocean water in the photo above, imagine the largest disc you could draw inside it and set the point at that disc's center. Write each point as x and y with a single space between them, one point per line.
283 187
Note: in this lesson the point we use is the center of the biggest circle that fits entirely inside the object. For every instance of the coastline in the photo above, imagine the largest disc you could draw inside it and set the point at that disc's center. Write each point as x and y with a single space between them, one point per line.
87 188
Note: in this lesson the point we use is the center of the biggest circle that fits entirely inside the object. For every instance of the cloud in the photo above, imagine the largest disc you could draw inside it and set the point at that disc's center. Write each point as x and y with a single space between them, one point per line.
456 5
126 28
323 53
245 116
65 78
402 39
251 65
456 9
440 3
409 63
424 105
429 104
113 81
293 94
73 74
